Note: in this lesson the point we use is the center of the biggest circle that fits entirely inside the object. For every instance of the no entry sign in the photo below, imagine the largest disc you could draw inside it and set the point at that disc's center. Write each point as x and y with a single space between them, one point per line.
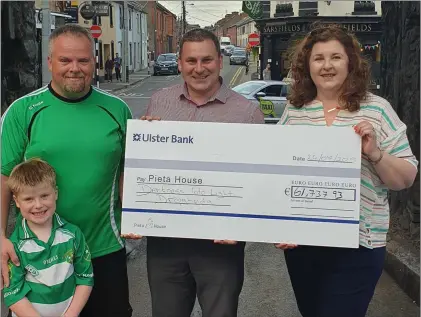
96 31
254 39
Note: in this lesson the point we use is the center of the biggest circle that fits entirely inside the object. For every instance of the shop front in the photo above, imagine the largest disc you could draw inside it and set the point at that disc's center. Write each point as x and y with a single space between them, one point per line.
279 35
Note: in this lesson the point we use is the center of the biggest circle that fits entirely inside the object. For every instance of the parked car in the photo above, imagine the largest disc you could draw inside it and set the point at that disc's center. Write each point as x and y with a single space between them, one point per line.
270 95
166 64
239 57
229 49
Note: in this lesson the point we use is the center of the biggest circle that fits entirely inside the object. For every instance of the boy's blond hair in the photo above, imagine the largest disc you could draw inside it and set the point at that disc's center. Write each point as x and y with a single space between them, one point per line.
31 173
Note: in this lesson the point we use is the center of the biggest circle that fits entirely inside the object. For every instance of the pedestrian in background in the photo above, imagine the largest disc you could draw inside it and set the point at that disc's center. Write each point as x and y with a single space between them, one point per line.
117 65
180 269
330 88
109 65
267 73
80 131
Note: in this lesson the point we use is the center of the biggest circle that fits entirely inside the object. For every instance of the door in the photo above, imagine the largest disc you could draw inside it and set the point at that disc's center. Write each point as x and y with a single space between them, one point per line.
274 102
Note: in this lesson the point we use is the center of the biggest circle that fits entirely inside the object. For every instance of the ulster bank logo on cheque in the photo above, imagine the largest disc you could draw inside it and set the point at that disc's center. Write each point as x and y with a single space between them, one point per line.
158 138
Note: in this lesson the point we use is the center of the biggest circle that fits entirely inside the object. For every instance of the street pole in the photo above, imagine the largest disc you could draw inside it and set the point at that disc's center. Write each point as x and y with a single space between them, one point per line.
46 31
126 43
184 17
155 32
96 75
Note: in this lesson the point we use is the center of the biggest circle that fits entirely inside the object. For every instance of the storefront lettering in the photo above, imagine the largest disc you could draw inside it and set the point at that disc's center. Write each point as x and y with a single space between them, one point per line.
354 27
291 28
286 28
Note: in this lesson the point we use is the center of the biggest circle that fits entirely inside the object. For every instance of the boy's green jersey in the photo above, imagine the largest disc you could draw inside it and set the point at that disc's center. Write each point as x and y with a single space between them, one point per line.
84 141
49 272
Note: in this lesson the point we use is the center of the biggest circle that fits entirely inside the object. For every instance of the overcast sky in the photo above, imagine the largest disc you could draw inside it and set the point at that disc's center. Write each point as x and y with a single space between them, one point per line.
203 12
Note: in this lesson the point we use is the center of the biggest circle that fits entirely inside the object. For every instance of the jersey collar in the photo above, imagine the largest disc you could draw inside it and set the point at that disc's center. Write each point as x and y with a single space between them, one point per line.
26 233
55 94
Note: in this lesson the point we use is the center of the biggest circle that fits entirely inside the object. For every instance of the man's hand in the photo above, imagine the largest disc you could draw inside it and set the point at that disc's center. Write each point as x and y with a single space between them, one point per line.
7 252
150 118
131 236
285 246
231 242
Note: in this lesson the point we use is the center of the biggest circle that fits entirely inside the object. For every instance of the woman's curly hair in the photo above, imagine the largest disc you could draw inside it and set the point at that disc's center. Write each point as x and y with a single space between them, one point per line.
355 86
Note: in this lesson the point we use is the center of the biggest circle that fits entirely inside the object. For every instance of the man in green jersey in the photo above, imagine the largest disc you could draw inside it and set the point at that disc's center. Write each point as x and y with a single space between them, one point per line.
55 276
80 130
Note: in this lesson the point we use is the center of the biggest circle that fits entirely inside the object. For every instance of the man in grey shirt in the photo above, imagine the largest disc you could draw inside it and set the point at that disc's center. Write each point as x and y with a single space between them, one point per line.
178 269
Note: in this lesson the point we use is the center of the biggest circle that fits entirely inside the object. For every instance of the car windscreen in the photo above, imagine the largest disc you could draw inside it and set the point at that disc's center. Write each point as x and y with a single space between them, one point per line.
225 43
247 88
166 58
239 53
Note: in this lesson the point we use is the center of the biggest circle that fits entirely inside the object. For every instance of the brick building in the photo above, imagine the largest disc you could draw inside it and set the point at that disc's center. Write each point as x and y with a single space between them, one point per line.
221 27
232 34
162 29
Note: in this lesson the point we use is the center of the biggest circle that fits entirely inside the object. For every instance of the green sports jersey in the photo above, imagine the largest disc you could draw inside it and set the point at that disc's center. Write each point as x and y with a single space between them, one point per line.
84 141
49 272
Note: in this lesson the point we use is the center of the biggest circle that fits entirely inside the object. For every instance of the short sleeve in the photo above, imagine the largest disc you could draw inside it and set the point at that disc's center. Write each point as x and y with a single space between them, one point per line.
82 261
284 118
13 138
18 288
395 141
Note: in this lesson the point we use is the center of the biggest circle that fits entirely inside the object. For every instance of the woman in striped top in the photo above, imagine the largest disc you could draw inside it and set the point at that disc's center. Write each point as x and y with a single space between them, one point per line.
330 88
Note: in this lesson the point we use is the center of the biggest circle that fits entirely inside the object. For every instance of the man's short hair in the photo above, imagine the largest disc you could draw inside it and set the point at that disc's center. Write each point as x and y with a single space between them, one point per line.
31 173
199 35
69 29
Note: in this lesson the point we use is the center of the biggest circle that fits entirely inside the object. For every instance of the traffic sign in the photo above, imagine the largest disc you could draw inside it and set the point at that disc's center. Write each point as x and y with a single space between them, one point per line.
254 39
96 31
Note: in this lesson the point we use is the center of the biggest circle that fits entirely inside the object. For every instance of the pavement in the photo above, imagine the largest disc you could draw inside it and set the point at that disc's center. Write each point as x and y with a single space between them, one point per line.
267 289
134 78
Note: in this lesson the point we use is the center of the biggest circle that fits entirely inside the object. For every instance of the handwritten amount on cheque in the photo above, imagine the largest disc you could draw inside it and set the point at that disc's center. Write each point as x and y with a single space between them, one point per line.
184 191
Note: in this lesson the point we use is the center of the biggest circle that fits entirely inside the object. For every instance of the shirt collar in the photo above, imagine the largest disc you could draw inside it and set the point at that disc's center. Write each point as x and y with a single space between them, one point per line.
26 233
221 94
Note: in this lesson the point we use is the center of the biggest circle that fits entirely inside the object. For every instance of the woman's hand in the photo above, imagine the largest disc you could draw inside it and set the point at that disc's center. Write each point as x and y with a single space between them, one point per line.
369 140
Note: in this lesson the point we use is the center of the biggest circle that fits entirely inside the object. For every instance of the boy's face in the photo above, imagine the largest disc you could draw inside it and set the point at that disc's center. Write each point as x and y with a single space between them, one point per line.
37 203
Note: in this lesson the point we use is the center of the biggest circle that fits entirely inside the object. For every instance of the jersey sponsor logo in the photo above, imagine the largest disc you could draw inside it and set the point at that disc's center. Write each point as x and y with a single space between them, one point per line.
11 292
36 105
87 255
50 260
86 275
32 270
68 256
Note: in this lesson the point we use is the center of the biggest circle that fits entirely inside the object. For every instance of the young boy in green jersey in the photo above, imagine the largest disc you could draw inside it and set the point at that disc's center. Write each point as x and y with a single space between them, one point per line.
55 275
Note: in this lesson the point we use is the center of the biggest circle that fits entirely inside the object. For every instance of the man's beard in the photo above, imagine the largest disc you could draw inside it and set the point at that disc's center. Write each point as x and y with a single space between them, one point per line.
75 88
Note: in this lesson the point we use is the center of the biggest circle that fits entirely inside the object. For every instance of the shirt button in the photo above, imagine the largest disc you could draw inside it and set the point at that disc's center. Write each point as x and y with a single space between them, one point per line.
369 242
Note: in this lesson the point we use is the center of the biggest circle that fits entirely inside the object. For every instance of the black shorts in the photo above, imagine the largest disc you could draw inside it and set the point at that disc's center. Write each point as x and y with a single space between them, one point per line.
110 294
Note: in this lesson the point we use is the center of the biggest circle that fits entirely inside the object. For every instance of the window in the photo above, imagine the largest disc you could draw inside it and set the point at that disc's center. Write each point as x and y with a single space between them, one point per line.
100 57
130 19
121 17
364 7
111 16
307 8
99 20
130 52
272 91
112 50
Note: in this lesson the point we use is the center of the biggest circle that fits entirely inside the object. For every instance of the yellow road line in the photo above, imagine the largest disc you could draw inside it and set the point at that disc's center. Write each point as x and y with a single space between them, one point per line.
235 77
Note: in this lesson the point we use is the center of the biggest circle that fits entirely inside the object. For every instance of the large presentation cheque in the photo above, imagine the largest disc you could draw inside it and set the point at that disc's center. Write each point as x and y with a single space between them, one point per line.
262 183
